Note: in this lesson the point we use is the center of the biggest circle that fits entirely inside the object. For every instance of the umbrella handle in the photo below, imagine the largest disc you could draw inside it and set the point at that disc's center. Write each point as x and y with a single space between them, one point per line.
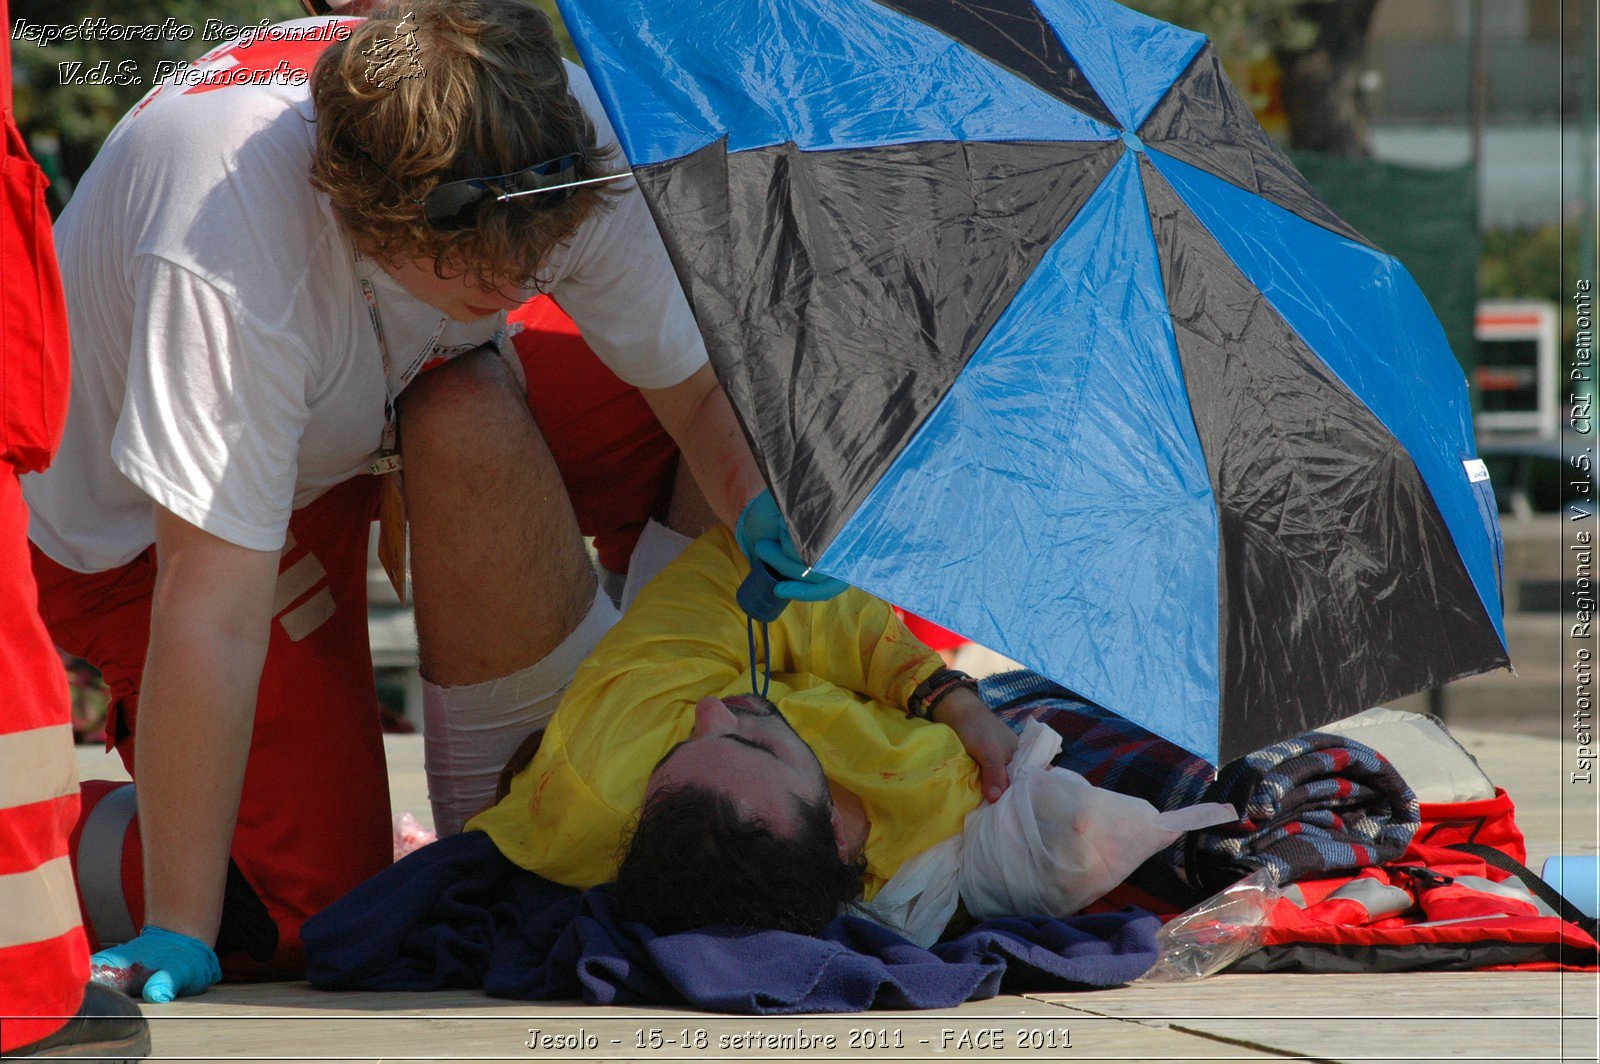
758 595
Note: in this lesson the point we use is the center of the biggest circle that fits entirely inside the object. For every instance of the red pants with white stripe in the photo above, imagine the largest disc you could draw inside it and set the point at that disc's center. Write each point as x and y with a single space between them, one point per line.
43 962
314 812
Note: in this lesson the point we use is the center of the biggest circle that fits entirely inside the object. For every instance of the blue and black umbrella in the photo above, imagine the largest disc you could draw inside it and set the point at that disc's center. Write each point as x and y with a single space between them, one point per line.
1036 333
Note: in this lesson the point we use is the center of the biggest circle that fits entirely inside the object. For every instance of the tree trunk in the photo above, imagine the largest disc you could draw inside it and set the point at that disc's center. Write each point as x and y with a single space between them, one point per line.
1322 84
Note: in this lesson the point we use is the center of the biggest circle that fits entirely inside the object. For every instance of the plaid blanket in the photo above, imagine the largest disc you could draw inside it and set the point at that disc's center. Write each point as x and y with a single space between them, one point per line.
1100 746
1311 806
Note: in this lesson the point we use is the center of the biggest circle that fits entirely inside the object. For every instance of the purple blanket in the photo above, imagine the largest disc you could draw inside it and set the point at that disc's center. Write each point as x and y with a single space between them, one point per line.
458 914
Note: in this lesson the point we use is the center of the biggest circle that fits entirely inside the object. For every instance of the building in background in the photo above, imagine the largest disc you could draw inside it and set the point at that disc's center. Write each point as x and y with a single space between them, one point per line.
1420 86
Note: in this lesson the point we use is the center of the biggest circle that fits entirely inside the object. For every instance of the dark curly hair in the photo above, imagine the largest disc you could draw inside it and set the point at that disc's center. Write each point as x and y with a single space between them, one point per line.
694 860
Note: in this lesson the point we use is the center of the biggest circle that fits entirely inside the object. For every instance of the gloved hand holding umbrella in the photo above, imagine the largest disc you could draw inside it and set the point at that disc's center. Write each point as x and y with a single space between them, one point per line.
778 574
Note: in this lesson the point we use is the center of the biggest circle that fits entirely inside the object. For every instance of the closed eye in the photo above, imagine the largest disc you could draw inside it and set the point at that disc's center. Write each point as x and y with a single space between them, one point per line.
763 747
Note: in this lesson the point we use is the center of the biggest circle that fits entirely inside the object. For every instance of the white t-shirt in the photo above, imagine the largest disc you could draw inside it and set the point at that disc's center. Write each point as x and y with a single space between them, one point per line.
224 362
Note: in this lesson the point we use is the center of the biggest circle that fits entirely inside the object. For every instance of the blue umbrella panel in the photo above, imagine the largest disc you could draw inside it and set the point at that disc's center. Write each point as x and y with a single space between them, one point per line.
1036 333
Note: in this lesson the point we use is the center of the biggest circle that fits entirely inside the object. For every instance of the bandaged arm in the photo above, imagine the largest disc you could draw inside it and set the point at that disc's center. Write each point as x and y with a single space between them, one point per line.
1053 844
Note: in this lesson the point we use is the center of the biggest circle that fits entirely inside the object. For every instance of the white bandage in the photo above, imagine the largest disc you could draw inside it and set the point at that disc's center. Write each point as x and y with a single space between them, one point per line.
470 732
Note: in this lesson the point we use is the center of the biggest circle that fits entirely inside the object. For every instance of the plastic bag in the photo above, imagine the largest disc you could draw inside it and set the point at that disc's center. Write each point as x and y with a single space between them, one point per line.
410 836
1054 842
1215 933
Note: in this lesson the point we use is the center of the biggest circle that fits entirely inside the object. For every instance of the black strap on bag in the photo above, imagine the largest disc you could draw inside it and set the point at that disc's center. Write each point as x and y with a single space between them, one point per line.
1497 858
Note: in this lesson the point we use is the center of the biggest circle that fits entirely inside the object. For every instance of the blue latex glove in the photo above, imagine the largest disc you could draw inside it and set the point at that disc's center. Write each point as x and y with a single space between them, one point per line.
161 963
764 537
800 584
759 520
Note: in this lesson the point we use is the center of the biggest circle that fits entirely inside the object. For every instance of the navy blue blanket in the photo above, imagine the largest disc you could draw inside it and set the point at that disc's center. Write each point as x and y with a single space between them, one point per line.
458 914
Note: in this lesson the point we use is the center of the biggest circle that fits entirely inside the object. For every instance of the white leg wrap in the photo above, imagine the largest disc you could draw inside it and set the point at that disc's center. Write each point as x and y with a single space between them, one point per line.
470 732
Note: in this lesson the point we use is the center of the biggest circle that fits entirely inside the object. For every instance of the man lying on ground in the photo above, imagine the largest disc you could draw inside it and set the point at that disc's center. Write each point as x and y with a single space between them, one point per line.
763 812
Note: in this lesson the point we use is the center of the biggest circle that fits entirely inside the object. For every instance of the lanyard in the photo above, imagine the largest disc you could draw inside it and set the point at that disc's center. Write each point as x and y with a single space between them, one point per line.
388 457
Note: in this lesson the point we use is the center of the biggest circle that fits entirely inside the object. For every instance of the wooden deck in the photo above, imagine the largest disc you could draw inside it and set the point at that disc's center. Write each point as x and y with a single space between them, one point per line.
1391 1018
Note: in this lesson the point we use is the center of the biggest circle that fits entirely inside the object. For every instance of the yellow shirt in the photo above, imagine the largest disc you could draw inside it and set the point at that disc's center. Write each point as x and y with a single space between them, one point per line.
841 674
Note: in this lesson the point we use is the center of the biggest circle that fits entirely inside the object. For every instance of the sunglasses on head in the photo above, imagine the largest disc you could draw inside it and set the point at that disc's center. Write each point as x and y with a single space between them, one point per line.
454 205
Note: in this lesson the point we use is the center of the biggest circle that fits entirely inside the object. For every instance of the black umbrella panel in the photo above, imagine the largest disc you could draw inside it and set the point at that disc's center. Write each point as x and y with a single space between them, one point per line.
1036 333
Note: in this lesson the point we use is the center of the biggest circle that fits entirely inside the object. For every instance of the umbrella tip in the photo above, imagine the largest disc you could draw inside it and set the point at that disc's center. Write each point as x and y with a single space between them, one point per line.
1132 141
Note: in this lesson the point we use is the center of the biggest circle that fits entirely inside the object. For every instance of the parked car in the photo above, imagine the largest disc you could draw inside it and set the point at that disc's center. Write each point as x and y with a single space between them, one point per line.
1541 475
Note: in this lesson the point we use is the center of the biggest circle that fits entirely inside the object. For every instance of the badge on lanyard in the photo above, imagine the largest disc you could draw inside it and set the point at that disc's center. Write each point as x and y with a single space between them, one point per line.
391 498
387 460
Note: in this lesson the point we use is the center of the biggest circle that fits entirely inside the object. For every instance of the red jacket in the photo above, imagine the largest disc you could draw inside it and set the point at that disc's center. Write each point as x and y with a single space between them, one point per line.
33 311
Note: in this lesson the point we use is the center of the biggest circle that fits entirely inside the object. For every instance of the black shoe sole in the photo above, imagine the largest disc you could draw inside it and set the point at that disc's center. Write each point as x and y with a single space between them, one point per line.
121 1051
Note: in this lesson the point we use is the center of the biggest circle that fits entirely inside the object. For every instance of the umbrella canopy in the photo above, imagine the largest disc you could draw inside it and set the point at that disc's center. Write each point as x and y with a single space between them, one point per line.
1036 333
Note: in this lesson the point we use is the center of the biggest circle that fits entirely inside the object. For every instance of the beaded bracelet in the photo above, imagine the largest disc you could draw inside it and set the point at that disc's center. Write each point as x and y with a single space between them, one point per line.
925 699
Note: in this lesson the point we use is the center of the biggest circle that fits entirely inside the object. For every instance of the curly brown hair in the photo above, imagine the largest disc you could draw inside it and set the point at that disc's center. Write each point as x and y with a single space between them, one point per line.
488 95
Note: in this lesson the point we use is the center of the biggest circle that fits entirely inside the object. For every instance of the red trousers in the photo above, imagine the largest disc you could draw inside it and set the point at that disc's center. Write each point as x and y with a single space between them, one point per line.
314 812
43 962
616 460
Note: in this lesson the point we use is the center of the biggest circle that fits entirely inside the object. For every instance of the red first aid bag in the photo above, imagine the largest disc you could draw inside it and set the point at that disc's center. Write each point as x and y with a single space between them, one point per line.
1459 899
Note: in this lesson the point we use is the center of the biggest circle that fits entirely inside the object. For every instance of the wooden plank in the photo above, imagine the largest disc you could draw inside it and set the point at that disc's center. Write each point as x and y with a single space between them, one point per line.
1413 1015
292 1021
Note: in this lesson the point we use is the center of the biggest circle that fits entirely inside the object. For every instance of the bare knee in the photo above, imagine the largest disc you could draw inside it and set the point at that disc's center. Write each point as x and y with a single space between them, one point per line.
498 566
471 406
